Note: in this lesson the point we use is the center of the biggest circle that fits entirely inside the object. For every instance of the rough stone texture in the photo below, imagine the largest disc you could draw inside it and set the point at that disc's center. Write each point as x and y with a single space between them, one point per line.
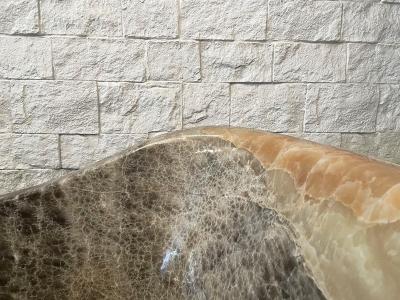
19 16
25 57
309 62
374 63
332 139
83 17
371 22
13 180
236 62
150 18
341 108
174 61
385 146
139 108
79 150
99 67
206 104
52 106
360 143
5 109
389 108
21 151
276 108
221 19
99 59
304 20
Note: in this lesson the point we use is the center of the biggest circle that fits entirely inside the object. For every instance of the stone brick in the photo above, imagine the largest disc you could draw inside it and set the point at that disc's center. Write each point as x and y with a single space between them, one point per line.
373 63
341 108
364 144
304 20
52 106
236 62
25 58
383 146
206 104
139 108
79 150
221 19
99 59
19 16
276 108
309 62
83 17
174 61
330 139
5 109
150 18
371 22
13 180
389 108
388 146
22 151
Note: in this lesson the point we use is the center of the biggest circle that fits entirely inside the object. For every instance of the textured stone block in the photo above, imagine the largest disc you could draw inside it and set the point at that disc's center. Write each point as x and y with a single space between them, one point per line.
206 104
150 18
371 22
341 108
309 62
79 150
19 16
221 19
389 108
174 61
52 106
236 62
304 20
360 143
276 108
385 146
22 151
139 108
5 109
388 146
331 139
83 17
12 180
25 58
374 63
98 59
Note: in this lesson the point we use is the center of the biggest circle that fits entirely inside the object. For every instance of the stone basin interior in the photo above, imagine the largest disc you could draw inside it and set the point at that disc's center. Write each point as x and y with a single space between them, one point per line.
209 213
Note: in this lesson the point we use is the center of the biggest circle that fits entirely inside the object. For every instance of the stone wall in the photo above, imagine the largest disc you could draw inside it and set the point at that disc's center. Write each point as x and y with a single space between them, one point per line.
82 79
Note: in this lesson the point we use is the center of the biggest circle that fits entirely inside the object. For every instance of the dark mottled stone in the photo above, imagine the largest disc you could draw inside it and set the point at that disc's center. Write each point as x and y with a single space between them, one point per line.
176 220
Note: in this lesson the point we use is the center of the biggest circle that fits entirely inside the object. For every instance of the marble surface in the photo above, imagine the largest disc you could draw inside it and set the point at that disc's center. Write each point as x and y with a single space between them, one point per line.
209 213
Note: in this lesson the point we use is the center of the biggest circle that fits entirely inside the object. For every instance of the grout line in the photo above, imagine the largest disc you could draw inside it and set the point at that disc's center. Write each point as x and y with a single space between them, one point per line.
341 21
121 18
161 39
59 152
273 62
230 104
346 66
39 15
199 46
182 104
98 107
178 5
146 63
198 82
52 60
377 108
